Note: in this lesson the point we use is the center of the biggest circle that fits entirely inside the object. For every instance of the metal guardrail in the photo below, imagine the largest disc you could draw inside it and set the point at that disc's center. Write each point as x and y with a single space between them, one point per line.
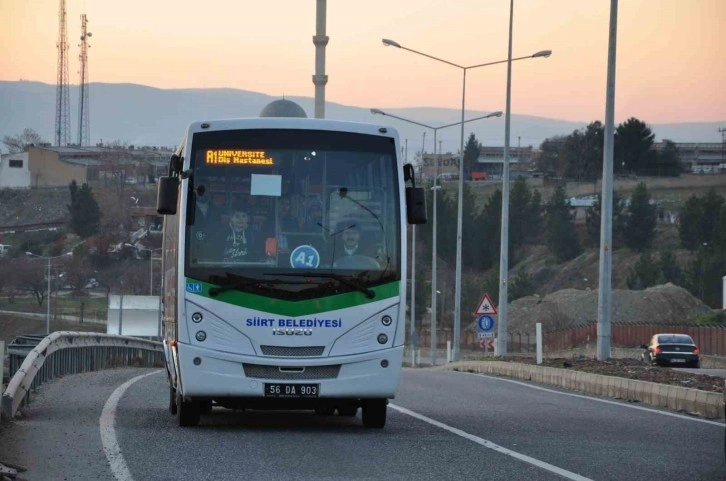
65 352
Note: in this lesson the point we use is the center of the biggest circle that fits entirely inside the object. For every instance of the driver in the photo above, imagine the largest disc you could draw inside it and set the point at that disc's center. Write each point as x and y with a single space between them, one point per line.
355 254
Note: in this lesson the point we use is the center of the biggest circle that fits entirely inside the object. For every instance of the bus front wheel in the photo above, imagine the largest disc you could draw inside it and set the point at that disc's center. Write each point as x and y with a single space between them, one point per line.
187 412
374 413
172 400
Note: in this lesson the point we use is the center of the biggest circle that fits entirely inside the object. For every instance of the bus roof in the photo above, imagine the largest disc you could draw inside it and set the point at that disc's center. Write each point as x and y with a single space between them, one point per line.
292 123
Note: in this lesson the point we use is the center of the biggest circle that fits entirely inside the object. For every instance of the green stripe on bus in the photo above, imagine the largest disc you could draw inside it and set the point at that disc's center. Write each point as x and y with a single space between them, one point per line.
300 308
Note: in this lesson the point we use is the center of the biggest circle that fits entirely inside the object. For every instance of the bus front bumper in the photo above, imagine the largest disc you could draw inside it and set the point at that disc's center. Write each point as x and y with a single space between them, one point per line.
219 374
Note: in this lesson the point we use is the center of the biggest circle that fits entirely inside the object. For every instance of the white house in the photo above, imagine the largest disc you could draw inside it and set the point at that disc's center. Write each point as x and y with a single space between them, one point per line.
14 171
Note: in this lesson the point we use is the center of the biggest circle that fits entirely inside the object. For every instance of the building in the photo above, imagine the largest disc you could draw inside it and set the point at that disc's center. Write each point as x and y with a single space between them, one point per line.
699 157
14 171
490 161
58 166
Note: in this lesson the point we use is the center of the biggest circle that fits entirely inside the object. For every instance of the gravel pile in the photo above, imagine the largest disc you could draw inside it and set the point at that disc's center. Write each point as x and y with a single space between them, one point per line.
664 304
20 207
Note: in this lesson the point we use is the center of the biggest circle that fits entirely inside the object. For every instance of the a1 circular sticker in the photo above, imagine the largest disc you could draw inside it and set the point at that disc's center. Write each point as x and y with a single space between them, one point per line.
304 257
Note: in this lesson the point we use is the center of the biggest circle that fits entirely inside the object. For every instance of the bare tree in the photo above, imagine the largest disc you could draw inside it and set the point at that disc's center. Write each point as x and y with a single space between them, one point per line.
135 278
78 271
21 142
30 276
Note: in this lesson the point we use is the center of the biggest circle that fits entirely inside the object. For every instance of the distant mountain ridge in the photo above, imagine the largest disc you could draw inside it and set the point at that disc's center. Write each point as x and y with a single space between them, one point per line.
142 115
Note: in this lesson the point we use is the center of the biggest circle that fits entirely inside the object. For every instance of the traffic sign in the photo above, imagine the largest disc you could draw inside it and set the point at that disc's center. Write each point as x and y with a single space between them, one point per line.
485 335
485 323
485 306
487 344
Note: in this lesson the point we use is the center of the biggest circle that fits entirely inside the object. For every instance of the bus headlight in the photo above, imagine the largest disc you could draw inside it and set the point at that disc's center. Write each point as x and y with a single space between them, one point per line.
386 320
382 339
197 317
201 336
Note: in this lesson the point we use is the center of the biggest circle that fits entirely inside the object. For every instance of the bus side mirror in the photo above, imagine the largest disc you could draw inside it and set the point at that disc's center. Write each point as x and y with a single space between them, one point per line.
408 173
416 205
167 195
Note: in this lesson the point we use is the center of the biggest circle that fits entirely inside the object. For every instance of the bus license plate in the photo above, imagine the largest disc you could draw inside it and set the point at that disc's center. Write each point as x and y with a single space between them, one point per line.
291 390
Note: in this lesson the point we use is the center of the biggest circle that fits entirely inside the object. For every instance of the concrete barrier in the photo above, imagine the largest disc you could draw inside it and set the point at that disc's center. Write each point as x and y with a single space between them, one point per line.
692 401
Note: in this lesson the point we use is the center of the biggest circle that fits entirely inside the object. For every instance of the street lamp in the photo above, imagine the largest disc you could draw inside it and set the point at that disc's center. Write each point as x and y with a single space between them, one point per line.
47 312
459 217
151 263
435 187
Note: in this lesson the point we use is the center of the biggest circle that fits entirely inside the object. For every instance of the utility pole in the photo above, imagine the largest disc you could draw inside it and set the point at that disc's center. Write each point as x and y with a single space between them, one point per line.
62 109
84 133
604 304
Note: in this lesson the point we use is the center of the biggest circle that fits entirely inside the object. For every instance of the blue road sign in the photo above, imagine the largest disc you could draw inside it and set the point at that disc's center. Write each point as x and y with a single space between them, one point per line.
485 323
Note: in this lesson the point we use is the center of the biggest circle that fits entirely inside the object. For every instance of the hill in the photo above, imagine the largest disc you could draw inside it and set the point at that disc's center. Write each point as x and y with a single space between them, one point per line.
143 115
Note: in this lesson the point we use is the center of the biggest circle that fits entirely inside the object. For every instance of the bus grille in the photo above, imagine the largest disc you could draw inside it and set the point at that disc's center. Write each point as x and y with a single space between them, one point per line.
259 371
284 351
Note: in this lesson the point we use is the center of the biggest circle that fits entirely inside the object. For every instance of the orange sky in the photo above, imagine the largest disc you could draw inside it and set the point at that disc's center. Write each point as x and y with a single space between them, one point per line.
670 65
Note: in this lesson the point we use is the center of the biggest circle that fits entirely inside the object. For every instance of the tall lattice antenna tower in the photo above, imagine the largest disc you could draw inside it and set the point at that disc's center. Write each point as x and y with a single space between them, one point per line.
84 129
62 109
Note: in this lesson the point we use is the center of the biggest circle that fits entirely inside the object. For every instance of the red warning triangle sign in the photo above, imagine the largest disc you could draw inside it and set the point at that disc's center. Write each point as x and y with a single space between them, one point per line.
485 306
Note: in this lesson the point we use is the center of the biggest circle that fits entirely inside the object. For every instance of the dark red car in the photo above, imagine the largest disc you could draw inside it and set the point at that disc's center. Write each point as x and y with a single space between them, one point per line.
672 350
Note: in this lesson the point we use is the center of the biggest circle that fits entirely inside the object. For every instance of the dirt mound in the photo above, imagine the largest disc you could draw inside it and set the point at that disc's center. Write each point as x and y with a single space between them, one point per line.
29 206
664 304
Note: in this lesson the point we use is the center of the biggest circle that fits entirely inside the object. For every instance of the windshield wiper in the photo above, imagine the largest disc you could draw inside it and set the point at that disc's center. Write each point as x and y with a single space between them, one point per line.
231 281
348 281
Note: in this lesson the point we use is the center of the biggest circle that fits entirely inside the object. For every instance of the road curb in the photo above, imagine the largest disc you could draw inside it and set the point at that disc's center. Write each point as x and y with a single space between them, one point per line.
693 401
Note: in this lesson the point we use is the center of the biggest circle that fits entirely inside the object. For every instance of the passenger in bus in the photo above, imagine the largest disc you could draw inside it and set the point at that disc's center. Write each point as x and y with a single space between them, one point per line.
287 221
238 242
314 218
354 253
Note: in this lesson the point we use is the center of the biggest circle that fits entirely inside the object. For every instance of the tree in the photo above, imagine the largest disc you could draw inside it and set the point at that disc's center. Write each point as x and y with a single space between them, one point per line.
533 228
689 227
593 223
78 271
641 220
711 205
560 227
548 160
520 286
669 268
700 220
30 276
703 275
633 146
21 142
582 152
491 221
85 214
518 212
472 150
666 162
644 274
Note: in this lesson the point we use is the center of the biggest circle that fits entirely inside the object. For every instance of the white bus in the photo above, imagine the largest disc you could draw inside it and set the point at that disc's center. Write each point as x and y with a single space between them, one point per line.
266 302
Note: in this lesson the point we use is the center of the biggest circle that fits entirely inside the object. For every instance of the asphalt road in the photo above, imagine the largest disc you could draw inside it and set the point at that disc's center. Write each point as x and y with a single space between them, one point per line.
443 425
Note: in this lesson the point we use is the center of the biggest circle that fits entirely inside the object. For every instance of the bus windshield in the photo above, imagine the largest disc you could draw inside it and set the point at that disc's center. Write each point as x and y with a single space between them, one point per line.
293 213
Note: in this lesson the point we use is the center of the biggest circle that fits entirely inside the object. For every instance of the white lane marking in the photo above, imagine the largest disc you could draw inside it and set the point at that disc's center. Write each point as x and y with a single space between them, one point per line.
606 401
494 447
119 468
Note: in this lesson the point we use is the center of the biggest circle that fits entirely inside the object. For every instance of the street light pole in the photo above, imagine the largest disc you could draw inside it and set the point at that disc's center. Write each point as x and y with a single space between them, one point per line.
504 236
47 307
459 219
434 234
47 304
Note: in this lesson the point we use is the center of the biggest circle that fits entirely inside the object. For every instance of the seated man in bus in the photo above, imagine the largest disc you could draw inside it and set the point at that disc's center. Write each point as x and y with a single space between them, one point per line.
353 253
